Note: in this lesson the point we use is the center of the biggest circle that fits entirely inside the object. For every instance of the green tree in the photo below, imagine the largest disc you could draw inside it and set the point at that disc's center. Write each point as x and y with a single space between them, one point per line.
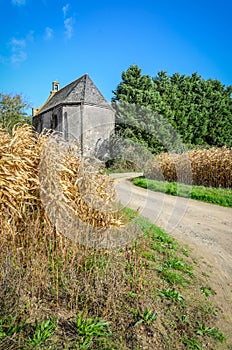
133 99
12 111
134 88
140 110
219 114
145 126
199 110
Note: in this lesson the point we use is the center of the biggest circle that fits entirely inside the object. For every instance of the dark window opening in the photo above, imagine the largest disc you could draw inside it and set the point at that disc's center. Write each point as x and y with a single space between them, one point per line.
54 122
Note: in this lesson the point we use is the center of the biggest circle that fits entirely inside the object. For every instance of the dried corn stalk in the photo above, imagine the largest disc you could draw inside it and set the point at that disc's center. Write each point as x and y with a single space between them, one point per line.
211 168
19 158
30 169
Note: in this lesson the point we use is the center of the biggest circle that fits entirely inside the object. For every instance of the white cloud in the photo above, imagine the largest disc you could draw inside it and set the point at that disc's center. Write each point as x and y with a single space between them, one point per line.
18 2
19 57
49 33
18 47
65 10
68 24
17 44
18 52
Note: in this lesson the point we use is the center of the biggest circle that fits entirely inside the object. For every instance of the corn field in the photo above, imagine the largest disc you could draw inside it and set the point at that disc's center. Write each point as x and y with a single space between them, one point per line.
24 164
210 168
31 245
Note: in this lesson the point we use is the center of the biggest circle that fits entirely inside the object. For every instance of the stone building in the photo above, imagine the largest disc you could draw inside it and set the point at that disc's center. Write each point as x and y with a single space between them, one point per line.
79 111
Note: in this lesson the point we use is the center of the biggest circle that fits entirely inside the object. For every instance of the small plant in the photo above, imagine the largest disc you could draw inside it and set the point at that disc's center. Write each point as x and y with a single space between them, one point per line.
171 294
149 255
161 241
2 330
207 291
213 311
132 295
148 316
8 327
202 330
185 319
90 328
172 277
42 332
171 188
179 264
192 343
213 332
185 252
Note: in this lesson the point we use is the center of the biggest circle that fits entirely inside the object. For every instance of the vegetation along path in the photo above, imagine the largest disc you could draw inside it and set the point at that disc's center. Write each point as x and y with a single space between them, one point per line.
206 228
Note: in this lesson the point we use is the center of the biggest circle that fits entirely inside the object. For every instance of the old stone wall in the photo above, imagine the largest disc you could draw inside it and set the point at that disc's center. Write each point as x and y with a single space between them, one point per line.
72 122
46 120
98 123
85 124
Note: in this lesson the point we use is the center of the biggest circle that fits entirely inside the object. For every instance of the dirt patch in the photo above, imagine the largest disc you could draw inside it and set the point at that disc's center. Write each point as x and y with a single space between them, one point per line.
206 228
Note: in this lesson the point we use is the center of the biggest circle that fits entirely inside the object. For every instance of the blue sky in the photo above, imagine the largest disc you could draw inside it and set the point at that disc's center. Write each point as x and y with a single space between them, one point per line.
46 40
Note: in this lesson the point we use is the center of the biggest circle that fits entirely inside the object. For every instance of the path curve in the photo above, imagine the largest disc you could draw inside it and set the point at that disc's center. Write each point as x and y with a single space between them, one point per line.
206 228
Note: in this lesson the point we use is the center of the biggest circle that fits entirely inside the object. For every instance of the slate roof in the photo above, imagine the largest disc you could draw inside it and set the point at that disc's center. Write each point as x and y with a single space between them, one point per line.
80 90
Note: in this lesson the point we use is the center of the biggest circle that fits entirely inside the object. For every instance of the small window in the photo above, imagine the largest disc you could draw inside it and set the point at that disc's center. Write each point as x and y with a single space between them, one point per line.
54 122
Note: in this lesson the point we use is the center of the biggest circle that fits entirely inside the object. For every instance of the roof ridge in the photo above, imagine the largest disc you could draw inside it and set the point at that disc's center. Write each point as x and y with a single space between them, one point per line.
76 81
85 84
92 82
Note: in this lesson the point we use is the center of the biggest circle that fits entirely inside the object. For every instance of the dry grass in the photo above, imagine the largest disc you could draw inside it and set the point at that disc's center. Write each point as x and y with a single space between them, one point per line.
210 168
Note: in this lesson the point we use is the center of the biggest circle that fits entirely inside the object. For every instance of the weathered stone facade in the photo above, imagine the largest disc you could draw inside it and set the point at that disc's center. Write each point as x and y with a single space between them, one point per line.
79 111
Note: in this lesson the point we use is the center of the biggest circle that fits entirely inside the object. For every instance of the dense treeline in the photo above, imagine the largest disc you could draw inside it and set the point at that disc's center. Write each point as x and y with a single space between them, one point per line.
155 111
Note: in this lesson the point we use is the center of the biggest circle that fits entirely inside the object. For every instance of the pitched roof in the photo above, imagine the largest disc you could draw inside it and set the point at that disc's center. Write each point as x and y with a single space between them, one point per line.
80 90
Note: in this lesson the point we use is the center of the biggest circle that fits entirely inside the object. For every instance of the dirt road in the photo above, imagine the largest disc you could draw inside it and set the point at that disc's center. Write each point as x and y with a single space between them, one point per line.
206 228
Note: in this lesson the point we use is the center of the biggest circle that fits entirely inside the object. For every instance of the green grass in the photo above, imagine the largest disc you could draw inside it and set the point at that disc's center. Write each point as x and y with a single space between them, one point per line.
213 332
41 332
171 294
89 329
217 196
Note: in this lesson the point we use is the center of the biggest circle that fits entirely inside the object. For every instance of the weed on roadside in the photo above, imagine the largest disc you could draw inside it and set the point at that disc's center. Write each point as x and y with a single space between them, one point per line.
210 331
41 332
207 291
171 294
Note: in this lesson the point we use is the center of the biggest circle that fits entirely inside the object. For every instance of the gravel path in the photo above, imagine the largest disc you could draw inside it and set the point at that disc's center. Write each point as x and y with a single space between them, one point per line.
206 228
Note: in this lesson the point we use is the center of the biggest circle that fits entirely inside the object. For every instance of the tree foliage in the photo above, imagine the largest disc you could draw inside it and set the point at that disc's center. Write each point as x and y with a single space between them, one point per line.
200 111
12 111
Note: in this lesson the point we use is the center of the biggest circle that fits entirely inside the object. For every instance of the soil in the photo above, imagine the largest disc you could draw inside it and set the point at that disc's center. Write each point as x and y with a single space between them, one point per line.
205 228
